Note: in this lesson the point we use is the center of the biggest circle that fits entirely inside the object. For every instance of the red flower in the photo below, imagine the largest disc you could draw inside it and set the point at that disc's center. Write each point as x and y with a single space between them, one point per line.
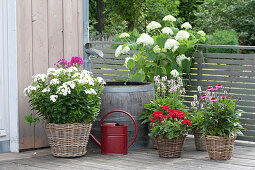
166 108
185 121
210 88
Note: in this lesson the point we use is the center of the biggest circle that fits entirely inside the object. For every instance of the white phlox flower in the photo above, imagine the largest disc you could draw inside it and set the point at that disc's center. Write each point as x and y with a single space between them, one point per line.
101 80
156 49
120 50
90 91
124 35
181 57
59 71
167 30
145 39
39 77
64 90
171 44
71 84
47 89
169 18
54 81
153 25
182 35
72 69
51 71
174 73
186 25
53 98
29 89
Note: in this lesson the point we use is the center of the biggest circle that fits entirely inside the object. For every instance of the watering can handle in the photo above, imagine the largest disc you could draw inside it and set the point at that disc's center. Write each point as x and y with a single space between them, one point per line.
122 111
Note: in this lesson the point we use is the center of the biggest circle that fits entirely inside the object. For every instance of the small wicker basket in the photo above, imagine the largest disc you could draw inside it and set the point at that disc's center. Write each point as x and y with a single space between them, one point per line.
199 140
170 148
219 148
153 139
68 140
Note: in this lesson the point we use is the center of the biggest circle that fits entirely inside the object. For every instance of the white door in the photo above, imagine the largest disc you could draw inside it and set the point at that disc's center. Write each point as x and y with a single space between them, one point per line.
4 75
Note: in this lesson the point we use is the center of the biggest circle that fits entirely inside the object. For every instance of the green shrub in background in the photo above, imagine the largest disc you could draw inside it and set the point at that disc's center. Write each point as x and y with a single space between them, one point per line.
223 37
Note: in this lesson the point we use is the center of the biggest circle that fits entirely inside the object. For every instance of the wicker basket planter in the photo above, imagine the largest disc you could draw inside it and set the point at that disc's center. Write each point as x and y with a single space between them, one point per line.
68 140
153 139
219 148
170 148
199 140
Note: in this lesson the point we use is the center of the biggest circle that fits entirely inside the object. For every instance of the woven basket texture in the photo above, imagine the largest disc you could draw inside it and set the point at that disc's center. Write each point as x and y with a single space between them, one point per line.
68 140
153 139
219 148
199 140
170 148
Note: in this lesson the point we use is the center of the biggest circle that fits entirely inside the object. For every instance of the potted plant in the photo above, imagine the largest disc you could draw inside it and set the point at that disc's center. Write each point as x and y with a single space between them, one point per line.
68 99
170 129
167 93
163 48
221 122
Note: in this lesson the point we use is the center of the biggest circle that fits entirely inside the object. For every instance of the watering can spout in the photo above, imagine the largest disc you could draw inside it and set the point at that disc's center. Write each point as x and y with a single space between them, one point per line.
95 140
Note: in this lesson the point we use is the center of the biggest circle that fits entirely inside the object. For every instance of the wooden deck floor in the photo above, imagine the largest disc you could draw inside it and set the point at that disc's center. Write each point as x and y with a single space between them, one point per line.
243 158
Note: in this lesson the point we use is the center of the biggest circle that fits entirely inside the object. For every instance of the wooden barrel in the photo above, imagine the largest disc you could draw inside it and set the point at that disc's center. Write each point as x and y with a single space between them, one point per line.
131 98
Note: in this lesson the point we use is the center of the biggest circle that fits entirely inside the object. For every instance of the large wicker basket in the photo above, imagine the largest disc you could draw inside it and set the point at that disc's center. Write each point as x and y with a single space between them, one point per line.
199 140
68 140
219 148
170 148
153 139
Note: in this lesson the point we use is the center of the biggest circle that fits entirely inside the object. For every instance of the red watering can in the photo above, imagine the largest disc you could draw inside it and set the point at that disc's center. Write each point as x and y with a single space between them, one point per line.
114 136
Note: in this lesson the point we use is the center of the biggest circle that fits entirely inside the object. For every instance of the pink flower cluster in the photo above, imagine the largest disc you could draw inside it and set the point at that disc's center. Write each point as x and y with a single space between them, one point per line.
75 61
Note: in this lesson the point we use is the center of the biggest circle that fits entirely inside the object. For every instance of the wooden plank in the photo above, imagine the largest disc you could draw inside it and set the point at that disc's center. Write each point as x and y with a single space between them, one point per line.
109 72
228 56
70 22
55 31
227 46
246 138
248 115
247 121
249 127
222 78
111 77
223 67
25 69
80 27
108 61
248 133
226 72
225 61
108 66
40 55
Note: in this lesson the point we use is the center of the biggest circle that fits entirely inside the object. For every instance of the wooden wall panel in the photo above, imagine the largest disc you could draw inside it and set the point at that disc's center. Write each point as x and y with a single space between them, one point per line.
25 68
47 31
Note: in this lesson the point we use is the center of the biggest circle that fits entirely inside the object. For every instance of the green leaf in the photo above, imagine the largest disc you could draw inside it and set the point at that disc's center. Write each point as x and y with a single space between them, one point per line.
182 49
130 64
186 65
161 42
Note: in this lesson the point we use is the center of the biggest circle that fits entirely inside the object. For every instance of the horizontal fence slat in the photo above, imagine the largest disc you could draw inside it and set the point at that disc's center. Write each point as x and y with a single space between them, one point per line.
247 121
111 77
93 66
227 56
224 67
227 46
222 78
225 61
108 61
228 73
116 72
246 138
248 133
249 127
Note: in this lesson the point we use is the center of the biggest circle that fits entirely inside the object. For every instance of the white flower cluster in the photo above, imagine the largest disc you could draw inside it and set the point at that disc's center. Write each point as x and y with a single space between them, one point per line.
54 81
202 33
186 25
53 98
182 35
47 89
90 91
181 57
72 69
174 73
64 90
127 59
145 39
124 35
156 49
39 77
29 89
120 50
171 44
169 18
101 80
153 25
167 30
51 71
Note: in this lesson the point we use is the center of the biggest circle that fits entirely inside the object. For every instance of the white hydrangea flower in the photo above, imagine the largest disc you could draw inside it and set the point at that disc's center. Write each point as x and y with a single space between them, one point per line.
182 35
120 50
202 33
53 98
171 44
186 25
124 35
181 57
167 30
101 80
156 49
169 18
127 59
54 81
90 91
145 39
174 73
51 71
39 77
153 25
47 89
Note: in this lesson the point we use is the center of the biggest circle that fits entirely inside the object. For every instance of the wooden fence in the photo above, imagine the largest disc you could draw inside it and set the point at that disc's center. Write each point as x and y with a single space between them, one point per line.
235 71
47 30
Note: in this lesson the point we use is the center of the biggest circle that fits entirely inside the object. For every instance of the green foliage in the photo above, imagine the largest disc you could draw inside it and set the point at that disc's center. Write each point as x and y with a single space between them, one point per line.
197 120
223 37
30 119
